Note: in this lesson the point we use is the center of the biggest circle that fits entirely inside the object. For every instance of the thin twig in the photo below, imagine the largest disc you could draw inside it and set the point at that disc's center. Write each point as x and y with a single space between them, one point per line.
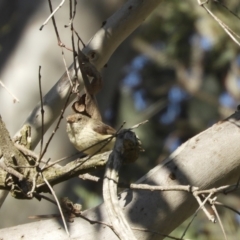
42 110
186 188
79 38
193 217
139 124
34 181
11 171
15 99
27 152
57 126
233 13
228 30
202 206
66 103
133 228
72 15
89 177
157 233
52 14
60 43
215 190
58 204
189 224
60 160
220 221
235 187
66 68
226 206
121 127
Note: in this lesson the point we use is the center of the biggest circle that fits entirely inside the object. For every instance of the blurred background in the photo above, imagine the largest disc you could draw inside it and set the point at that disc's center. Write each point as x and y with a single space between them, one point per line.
179 70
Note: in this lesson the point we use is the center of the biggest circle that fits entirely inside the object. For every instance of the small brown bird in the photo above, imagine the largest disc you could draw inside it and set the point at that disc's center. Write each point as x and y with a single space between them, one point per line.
85 128
88 135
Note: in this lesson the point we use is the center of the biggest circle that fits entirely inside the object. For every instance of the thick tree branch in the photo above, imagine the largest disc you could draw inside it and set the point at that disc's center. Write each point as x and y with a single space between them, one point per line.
57 174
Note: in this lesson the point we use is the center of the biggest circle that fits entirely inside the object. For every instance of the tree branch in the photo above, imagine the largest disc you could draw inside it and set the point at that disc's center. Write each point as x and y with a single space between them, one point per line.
210 159
57 174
